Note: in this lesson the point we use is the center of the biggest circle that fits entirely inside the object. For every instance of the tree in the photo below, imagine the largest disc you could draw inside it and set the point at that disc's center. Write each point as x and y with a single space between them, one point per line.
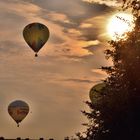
117 117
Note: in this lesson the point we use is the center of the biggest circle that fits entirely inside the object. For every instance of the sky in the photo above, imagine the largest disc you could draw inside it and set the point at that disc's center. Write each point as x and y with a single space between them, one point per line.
56 84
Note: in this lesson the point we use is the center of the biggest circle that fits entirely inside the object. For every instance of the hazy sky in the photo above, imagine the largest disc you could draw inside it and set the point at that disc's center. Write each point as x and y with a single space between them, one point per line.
57 82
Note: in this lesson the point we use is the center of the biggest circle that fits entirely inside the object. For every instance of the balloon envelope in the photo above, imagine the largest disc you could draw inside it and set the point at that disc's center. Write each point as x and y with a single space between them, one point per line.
18 110
36 35
95 93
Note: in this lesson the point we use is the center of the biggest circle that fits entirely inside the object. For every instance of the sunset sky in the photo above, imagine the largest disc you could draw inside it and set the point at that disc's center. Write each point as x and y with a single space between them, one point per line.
55 84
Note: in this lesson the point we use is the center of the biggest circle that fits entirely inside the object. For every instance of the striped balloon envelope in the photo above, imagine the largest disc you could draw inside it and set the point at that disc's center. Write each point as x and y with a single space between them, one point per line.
36 35
95 93
18 110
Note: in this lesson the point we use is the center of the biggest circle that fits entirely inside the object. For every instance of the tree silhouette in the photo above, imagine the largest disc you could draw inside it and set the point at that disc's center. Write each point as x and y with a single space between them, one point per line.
1 138
117 115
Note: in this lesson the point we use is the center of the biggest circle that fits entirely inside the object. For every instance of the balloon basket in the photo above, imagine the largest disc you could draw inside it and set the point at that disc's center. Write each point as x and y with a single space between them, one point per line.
36 55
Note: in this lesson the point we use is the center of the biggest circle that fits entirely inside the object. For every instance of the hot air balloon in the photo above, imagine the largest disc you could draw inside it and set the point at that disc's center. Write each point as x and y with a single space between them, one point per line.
18 110
95 93
36 35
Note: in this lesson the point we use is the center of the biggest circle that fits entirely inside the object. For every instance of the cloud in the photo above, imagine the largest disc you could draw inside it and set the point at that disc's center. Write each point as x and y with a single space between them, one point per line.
71 26
85 25
66 67
78 80
113 3
99 72
57 17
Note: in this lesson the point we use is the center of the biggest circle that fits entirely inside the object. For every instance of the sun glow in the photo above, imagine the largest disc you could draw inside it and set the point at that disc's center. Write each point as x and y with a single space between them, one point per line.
119 24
